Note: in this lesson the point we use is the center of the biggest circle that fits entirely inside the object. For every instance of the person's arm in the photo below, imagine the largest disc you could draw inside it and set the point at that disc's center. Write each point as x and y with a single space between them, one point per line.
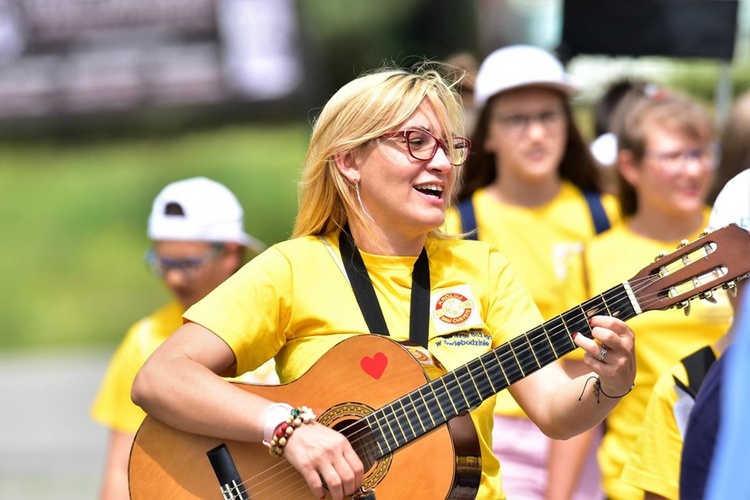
566 462
179 385
115 484
563 407
567 458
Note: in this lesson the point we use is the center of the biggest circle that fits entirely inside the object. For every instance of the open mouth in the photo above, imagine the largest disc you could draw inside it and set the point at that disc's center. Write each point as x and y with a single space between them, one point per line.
430 190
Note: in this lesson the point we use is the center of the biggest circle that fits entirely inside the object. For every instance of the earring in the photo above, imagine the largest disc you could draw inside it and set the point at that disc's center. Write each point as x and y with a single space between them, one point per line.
359 198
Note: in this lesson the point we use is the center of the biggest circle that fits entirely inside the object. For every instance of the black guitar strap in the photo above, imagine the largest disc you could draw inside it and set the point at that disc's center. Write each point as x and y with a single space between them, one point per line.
697 365
419 319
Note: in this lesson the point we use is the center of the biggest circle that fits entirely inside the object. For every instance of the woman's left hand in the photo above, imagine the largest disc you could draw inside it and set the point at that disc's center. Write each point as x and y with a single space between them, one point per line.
611 354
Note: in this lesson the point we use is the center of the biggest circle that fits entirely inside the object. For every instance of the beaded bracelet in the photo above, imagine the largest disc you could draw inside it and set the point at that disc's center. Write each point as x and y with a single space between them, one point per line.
297 417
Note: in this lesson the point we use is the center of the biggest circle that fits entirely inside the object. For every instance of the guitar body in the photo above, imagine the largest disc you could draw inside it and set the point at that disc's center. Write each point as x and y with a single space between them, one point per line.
357 376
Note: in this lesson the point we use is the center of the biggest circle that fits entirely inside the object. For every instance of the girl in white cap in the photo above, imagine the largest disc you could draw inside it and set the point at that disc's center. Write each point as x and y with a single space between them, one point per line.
531 187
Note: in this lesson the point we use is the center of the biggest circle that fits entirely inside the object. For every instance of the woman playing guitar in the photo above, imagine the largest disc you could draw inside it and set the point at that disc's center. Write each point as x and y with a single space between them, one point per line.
367 256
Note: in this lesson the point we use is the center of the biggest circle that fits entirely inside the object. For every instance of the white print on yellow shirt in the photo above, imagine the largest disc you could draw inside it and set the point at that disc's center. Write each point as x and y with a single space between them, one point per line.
562 253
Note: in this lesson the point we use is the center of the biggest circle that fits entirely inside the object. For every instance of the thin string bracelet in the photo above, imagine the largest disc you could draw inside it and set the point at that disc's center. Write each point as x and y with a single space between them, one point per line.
598 390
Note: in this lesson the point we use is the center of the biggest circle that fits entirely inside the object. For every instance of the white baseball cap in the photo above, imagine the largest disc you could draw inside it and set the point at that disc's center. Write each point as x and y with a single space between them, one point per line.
519 66
733 203
199 209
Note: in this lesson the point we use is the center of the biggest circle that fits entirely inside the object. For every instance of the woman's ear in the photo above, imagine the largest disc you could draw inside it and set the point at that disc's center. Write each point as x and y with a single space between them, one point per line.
347 165
628 166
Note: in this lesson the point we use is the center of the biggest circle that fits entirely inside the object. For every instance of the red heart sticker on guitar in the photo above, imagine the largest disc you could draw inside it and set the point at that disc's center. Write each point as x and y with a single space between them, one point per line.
374 366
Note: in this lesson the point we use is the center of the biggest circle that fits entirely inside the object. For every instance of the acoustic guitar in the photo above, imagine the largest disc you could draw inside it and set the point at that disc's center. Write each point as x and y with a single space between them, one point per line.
403 426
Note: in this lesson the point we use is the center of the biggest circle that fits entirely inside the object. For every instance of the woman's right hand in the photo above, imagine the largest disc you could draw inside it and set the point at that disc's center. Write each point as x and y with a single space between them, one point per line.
323 455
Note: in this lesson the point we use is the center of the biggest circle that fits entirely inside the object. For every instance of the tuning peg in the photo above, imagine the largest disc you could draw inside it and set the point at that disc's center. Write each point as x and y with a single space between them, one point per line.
682 244
660 256
709 296
703 234
732 287
684 305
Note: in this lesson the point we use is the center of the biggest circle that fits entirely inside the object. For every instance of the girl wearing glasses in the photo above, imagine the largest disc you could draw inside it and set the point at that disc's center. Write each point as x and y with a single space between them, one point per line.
367 257
532 189
666 160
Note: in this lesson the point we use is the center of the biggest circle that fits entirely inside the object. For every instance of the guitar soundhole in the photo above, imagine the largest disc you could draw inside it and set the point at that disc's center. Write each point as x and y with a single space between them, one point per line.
347 419
361 439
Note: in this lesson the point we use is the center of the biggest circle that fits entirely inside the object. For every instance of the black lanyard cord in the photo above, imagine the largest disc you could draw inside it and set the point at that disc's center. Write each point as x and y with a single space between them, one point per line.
368 302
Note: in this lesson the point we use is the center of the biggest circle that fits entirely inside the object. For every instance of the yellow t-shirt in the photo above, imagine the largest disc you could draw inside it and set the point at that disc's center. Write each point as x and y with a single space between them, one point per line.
112 406
294 302
662 338
654 464
543 244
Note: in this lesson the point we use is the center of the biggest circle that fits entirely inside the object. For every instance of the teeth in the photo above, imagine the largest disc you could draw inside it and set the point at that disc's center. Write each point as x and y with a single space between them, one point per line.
431 187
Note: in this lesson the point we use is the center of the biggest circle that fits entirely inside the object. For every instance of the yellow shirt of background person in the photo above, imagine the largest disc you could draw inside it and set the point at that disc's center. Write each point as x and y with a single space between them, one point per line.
544 245
664 337
306 324
654 465
112 406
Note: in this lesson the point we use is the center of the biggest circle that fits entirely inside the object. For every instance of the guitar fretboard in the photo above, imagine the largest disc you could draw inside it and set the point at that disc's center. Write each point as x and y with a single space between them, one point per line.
464 389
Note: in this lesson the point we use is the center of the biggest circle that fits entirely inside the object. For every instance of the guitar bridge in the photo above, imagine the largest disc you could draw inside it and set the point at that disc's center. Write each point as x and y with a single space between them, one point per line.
227 474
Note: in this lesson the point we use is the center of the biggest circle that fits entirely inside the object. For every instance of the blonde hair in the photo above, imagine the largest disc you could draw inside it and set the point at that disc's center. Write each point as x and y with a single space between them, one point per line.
363 110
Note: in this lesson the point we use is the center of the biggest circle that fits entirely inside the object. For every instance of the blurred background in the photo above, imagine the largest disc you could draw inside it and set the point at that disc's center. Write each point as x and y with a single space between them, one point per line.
103 102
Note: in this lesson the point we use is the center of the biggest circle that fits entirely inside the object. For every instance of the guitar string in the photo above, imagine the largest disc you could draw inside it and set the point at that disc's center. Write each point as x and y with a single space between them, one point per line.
637 285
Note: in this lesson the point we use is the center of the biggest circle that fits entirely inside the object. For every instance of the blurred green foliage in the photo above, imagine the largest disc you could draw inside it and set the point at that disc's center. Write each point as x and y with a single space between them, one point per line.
74 222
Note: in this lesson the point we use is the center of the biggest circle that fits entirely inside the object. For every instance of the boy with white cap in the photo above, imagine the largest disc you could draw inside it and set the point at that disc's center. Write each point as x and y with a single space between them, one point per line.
198 241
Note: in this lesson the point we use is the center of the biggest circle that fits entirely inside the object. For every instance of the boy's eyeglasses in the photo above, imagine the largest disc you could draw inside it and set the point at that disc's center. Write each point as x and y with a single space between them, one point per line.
190 267
675 161
423 146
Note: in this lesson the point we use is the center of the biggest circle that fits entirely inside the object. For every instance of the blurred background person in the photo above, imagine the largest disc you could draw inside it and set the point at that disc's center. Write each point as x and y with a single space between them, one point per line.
728 476
665 167
532 188
604 145
655 464
198 241
704 425
462 67
735 145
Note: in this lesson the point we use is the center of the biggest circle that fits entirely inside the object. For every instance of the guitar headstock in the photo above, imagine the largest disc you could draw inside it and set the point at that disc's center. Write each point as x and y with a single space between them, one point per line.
715 260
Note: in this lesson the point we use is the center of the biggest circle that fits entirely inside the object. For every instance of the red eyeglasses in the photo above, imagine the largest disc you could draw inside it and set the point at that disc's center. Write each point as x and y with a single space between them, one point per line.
423 146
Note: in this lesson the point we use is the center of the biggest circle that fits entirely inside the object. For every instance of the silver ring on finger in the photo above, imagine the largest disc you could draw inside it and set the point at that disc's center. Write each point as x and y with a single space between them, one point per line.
601 355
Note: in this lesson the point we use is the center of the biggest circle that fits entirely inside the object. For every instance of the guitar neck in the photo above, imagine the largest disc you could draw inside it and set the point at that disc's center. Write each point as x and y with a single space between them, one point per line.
464 389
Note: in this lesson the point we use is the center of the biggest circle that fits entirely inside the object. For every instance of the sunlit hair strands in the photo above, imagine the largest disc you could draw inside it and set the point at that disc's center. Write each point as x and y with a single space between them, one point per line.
359 112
